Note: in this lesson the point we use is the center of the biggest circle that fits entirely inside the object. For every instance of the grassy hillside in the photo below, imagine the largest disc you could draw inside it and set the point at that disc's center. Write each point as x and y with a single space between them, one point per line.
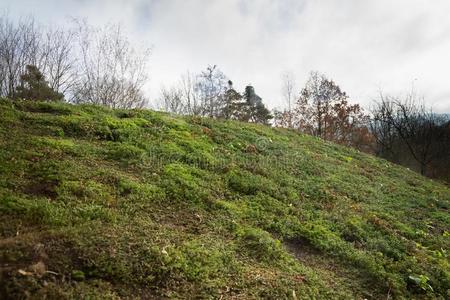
115 204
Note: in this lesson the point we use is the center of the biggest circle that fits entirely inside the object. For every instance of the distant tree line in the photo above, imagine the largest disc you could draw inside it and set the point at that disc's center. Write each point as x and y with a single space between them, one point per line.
211 94
82 64
85 64
402 130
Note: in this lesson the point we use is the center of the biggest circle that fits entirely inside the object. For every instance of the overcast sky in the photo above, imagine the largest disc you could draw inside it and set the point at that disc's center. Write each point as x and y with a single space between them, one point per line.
365 46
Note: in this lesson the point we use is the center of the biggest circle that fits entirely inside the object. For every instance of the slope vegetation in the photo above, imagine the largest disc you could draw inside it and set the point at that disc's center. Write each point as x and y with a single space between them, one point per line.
117 204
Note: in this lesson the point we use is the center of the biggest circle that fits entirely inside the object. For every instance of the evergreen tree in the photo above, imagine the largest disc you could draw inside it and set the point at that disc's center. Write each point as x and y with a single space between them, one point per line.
34 87
255 111
233 103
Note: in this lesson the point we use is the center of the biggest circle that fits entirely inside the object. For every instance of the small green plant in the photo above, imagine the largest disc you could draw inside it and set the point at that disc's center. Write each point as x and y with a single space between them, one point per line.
78 275
422 281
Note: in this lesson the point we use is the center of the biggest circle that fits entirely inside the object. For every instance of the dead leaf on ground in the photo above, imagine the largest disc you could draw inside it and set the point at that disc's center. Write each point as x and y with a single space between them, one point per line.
39 268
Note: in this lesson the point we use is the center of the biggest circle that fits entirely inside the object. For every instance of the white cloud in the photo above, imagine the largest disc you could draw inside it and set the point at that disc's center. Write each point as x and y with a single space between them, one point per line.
363 45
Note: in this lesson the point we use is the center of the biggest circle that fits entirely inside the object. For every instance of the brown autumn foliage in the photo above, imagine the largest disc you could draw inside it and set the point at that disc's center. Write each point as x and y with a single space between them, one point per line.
323 110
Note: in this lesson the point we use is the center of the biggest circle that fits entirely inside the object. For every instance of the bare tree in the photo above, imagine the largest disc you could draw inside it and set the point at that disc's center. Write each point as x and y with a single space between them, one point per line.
111 72
87 64
200 94
382 128
406 126
183 97
17 49
26 43
172 100
61 61
211 85
190 94
288 93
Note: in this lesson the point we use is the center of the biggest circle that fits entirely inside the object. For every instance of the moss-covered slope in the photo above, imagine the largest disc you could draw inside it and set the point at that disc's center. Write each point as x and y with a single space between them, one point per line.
132 204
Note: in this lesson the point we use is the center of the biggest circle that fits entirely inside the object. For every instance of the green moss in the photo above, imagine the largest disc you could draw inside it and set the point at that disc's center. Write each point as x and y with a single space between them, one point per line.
34 209
151 205
249 184
185 183
260 246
